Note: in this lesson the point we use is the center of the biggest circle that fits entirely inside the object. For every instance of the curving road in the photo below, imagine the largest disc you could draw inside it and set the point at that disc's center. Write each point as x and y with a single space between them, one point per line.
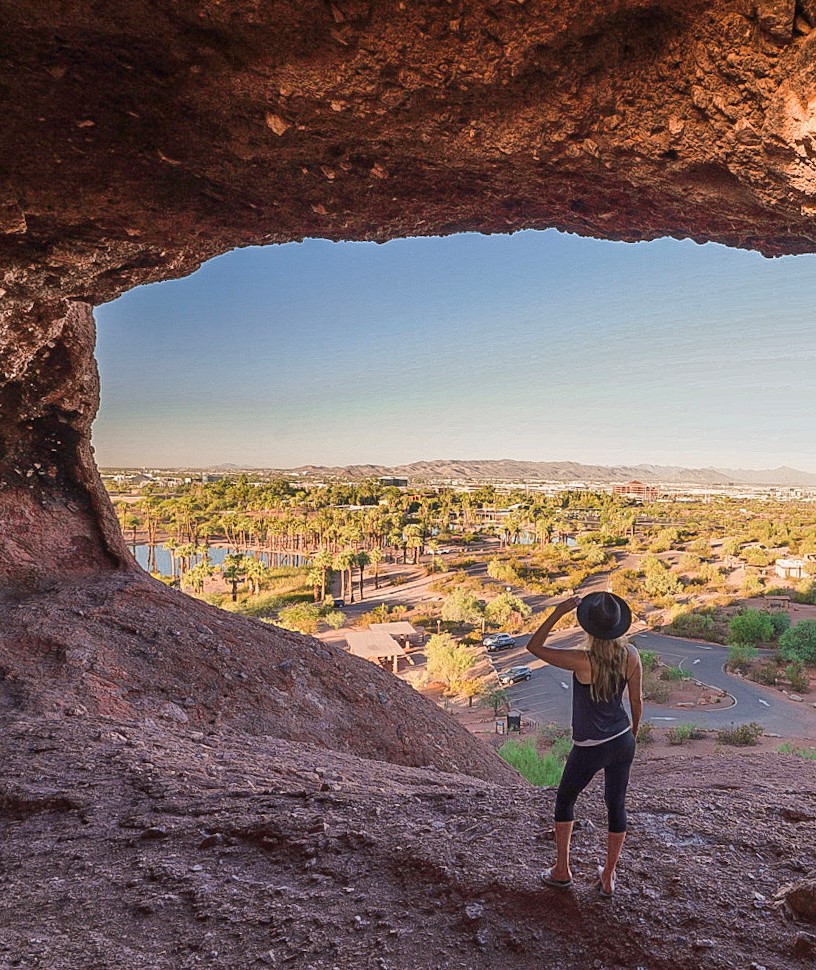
547 697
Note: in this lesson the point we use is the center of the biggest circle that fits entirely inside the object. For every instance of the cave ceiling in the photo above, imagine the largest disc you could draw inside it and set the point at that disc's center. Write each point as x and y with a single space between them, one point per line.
142 138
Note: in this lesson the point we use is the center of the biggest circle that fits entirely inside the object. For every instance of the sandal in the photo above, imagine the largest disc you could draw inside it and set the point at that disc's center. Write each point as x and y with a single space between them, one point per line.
547 879
601 885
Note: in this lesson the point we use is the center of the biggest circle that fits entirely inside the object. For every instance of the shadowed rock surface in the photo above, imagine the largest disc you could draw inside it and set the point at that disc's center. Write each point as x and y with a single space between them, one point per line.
220 794
144 849
132 650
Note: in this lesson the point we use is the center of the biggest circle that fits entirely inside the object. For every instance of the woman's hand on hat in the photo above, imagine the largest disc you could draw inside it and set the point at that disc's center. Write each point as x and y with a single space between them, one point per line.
568 605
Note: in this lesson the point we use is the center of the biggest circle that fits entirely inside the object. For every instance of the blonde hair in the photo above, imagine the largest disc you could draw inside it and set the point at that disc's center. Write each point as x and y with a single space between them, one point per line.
608 661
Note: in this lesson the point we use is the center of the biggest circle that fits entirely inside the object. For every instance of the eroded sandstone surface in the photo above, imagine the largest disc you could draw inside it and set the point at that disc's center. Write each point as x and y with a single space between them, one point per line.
139 849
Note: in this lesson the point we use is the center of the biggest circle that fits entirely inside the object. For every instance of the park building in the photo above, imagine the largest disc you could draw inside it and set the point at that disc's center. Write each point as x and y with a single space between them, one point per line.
793 568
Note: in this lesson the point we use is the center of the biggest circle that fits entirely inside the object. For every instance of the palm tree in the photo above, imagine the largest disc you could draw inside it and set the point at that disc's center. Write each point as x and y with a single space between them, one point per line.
412 538
255 572
233 569
362 559
322 560
344 562
376 557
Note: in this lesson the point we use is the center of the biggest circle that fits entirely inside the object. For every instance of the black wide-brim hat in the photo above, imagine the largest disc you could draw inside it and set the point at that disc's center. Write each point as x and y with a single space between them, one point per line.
604 615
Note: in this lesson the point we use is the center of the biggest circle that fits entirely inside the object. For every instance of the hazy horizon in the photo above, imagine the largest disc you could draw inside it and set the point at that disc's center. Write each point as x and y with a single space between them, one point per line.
456 460
534 344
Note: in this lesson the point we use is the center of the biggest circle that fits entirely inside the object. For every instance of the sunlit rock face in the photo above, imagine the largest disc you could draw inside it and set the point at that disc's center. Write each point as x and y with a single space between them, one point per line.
141 139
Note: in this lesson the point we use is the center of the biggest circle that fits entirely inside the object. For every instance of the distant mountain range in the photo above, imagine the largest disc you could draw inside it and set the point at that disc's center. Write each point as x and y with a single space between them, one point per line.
507 469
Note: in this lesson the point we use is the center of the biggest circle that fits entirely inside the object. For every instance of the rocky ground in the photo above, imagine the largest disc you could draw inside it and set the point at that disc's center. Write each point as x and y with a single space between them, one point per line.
185 788
144 846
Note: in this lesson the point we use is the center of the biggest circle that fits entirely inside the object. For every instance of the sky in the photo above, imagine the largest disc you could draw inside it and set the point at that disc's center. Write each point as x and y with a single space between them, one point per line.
536 346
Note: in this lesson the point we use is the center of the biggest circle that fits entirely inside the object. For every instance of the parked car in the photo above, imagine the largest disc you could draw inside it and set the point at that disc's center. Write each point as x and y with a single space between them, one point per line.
338 603
499 641
515 674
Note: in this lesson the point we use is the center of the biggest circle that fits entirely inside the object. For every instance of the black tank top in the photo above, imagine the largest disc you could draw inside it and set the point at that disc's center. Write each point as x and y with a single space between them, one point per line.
597 720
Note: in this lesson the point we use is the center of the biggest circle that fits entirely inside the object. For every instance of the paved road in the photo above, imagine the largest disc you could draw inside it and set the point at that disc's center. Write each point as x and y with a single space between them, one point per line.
547 697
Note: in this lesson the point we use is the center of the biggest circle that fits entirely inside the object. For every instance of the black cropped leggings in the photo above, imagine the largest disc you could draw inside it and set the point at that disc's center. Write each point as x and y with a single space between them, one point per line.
615 757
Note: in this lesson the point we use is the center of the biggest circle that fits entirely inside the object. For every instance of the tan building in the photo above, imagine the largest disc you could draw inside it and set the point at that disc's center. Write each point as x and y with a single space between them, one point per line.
635 489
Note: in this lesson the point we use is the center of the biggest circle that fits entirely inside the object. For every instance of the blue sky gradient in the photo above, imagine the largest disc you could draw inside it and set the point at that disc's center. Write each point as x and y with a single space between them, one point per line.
534 346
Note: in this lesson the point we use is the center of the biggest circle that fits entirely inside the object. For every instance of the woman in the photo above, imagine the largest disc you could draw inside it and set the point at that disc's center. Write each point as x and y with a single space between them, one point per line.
602 734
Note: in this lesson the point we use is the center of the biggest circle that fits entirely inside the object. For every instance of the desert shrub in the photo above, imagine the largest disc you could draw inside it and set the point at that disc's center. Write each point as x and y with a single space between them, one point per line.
659 580
699 625
757 557
265 604
540 770
673 674
683 733
504 572
750 627
463 562
690 563
417 678
797 675
751 585
788 748
655 689
626 583
799 642
335 619
700 547
712 575
303 617
550 733
765 673
648 659
780 622
805 592
398 580
645 733
741 656
593 553
746 735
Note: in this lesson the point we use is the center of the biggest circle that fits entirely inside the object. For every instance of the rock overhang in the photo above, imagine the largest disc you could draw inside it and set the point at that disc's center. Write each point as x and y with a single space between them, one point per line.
141 141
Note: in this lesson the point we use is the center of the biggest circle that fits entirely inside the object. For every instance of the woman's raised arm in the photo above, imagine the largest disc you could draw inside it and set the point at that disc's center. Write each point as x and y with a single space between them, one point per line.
567 658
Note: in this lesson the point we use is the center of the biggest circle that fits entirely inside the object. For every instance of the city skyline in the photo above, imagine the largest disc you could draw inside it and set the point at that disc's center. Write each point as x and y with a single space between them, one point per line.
536 346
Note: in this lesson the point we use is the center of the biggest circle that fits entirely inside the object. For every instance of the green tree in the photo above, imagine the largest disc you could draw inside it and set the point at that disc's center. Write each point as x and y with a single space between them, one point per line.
447 660
496 698
499 610
799 642
471 688
196 576
750 627
461 606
